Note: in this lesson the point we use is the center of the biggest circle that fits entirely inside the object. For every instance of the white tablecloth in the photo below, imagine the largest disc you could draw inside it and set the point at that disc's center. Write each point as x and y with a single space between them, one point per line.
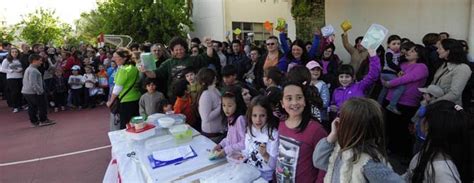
138 169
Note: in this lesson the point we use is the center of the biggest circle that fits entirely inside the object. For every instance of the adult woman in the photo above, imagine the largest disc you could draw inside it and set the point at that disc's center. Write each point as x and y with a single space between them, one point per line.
14 73
330 63
297 56
414 77
453 75
125 88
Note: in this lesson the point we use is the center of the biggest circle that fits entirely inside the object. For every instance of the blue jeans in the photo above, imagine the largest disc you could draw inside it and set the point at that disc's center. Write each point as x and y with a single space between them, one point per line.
397 91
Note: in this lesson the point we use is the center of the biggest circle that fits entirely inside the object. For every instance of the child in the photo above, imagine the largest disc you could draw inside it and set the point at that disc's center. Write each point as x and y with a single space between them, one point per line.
348 88
354 151
209 105
298 136
234 109
183 103
316 72
76 83
430 93
33 91
272 78
59 90
229 77
446 154
390 71
111 74
261 139
103 81
193 86
91 91
149 101
165 106
301 74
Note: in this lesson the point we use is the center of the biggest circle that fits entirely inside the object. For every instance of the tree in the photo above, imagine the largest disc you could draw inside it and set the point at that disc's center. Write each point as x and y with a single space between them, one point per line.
143 20
43 26
7 34
308 15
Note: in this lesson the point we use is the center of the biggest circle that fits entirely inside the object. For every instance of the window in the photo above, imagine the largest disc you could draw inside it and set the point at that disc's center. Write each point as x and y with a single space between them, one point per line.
257 29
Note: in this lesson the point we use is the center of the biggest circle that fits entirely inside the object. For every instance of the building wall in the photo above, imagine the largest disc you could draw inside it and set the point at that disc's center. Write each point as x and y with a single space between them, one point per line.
407 18
215 17
208 19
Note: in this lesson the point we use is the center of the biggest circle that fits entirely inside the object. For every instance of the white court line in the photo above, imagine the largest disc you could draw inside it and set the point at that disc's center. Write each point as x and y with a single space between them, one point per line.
55 156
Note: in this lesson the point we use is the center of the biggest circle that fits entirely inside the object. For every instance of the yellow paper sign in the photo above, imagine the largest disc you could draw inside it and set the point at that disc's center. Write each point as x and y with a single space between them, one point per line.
237 31
346 25
281 24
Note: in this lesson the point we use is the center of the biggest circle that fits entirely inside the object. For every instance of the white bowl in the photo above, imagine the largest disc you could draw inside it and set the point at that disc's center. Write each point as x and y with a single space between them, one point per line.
166 122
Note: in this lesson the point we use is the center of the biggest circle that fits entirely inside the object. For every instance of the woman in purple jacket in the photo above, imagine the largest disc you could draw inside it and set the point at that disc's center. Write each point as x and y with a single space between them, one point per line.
348 88
414 76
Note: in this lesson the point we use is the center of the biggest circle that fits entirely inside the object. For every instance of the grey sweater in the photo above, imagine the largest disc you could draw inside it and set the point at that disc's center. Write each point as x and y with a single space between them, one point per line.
149 103
32 81
373 171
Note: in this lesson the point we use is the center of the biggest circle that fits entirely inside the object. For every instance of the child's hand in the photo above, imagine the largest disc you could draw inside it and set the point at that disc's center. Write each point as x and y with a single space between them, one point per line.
262 149
333 108
332 137
400 74
218 147
219 153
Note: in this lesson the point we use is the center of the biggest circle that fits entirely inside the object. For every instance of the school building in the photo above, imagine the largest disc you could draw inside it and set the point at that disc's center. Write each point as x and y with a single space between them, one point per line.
408 18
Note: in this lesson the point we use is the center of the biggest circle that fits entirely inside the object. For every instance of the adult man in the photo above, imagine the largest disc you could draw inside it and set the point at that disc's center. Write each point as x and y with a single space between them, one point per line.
237 58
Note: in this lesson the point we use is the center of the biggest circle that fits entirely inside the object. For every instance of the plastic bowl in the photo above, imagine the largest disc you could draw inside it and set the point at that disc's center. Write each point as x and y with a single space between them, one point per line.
181 133
235 157
166 122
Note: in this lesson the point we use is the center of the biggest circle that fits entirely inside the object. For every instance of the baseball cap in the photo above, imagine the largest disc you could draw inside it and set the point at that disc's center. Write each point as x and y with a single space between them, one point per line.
312 64
76 68
434 90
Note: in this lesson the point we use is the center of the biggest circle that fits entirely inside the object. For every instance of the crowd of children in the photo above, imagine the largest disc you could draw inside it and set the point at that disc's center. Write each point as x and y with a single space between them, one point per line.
299 113
73 78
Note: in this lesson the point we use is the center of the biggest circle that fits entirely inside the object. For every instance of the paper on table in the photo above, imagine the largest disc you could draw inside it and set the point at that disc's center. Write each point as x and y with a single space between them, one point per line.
374 36
173 153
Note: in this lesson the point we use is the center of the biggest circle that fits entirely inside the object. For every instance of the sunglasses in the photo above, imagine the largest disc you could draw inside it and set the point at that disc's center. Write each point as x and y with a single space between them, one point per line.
270 44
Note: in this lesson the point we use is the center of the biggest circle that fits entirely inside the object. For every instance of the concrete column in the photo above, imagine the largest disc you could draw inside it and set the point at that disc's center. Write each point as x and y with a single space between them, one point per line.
471 29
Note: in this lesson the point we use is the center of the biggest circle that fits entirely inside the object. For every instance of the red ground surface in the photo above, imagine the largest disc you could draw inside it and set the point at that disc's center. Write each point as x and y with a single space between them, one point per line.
74 131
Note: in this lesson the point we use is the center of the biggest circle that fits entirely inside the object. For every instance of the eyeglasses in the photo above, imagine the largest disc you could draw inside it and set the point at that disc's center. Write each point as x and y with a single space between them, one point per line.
270 44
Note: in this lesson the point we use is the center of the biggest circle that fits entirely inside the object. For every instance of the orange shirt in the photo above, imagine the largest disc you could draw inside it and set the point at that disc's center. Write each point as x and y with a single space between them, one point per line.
184 106
269 62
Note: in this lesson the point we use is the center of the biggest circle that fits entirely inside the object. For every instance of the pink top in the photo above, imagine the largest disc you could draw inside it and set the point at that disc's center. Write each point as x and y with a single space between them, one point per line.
307 140
414 77
235 136
210 111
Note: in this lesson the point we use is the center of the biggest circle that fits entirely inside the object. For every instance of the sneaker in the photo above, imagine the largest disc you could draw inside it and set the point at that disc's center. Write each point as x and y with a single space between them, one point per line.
34 125
15 110
56 109
63 108
393 109
47 122
25 108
